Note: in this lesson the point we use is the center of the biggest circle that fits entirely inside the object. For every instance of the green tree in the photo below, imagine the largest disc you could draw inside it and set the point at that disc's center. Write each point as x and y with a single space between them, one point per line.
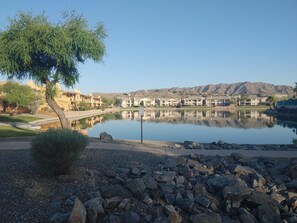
48 53
117 102
107 102
271 101
83 106
16 95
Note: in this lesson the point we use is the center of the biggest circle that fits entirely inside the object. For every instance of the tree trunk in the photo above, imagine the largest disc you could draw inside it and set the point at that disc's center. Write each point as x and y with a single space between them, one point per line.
56 108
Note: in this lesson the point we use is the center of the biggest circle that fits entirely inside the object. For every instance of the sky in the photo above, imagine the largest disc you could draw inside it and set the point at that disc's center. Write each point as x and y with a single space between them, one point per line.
155 44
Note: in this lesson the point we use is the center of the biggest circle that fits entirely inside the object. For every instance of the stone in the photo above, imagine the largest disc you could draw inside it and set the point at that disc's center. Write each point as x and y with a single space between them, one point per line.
105 137
292 204
150 182
206 218
137 187
184 203
219 182
164 176
245 216
132 217
170 164
135 171
277 196
59 217
161 220
236 192
78 213
125 204
292 184
258 198
112 203
202 200
268 213
110 190
148 200
258 180
156 211
95 209
173 215
238 169
237 156
112 219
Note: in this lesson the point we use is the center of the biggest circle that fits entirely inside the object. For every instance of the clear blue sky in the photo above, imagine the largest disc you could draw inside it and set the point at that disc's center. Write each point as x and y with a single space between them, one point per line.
175 43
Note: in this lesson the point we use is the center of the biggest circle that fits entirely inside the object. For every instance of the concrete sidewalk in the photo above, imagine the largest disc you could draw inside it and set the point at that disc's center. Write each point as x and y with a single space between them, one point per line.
161 148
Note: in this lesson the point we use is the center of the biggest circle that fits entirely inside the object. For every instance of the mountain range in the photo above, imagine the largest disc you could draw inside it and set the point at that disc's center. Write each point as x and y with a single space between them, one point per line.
242 88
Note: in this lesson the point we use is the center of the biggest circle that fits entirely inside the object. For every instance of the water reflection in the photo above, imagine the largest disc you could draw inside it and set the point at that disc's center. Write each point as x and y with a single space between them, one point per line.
244 119
243 126
222 119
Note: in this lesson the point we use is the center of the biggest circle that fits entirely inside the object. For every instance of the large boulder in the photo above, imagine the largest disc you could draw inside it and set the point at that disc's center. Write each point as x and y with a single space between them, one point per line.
105 137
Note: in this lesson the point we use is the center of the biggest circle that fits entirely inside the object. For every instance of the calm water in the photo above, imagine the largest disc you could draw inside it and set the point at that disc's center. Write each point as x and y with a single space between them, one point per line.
201 126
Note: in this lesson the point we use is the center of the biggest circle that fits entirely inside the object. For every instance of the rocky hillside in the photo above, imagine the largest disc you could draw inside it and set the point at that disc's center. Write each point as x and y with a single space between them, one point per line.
243 88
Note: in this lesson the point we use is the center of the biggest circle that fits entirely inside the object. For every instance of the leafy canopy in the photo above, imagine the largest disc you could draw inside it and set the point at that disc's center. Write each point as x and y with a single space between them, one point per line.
17 95
32 47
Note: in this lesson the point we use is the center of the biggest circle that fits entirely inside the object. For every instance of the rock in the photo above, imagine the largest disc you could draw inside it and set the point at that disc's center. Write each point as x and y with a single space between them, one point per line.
78 213
135 171
184 203
125 204
150 182
258 198
112 203
137 187
95 209
237 156
292 204
257 180
173 215
170 164
132 217
164 176
236 192
202 200
206 218
148 200
156 211
105 137
268 213
161 220
238 169
110 190
112 219
219 182
277 196
245 216
59 217
192 145
292 184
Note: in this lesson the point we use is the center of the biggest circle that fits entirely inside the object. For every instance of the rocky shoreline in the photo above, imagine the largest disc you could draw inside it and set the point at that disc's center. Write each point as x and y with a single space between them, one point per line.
220 145
190 189
125 186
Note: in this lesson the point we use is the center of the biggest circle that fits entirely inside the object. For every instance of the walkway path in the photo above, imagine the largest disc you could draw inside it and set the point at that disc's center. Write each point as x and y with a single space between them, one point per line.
161 148
74 115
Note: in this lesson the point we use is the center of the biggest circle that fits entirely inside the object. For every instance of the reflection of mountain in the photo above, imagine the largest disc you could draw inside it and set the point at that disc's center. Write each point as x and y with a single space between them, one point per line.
221 119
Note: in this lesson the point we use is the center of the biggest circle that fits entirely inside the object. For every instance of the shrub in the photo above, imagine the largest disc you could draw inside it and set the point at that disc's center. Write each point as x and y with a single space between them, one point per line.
55 150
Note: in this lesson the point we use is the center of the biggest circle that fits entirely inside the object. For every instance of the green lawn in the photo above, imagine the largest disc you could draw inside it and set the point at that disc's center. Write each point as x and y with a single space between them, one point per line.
19 118
9 131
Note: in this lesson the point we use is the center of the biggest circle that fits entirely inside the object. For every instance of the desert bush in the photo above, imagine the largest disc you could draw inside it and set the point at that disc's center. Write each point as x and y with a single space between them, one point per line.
55 150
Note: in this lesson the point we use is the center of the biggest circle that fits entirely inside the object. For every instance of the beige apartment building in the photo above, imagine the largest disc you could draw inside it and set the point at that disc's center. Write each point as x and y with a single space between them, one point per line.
168 102
67 100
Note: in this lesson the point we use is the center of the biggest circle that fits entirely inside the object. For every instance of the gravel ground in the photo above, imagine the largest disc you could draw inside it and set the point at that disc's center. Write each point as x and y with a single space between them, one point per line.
25 196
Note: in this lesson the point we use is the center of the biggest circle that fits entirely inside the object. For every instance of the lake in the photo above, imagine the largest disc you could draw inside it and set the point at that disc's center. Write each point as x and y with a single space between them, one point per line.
205 126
